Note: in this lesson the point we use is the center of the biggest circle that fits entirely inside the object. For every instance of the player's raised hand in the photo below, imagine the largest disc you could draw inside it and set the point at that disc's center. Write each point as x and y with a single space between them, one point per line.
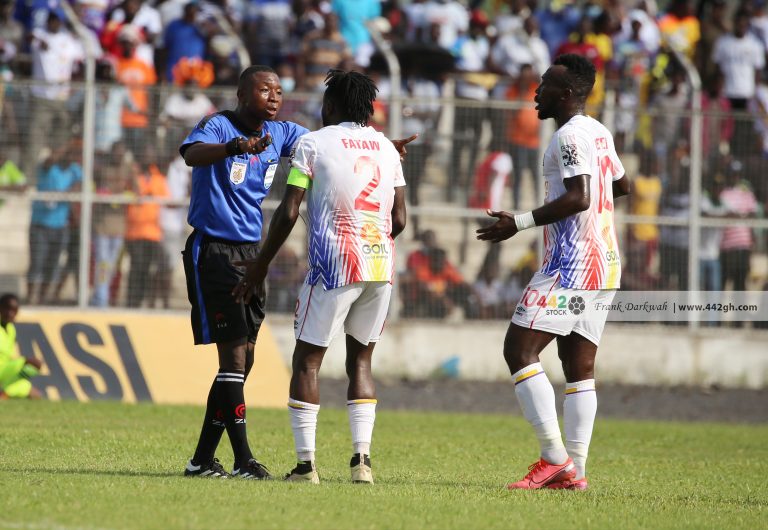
256 145
253 281
400 145
499 231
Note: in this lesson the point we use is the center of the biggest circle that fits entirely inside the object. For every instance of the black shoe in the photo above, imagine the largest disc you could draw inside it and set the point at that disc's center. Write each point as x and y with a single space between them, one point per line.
212 469
253 470
360 467
303 472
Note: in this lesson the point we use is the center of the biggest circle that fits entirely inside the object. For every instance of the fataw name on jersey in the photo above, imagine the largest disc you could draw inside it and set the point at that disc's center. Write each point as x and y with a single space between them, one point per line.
368 145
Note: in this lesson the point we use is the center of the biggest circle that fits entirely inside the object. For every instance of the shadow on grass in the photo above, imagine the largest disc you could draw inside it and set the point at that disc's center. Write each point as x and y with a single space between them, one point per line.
97 472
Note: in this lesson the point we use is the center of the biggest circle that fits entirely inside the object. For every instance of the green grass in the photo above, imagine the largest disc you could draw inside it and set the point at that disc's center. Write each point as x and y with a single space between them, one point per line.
106 465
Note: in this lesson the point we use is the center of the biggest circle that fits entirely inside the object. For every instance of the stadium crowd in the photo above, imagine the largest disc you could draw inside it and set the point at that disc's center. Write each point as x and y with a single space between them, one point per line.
474 50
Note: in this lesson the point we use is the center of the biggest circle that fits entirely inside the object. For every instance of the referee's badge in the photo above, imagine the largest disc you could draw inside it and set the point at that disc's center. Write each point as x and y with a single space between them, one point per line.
269 176
237 172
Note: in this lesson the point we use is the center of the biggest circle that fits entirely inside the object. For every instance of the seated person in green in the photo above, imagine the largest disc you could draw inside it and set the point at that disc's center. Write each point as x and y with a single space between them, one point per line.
15 371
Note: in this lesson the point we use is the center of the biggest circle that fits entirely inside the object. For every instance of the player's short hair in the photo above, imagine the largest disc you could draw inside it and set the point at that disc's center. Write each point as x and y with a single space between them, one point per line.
580 76
6 298
248 73
353 92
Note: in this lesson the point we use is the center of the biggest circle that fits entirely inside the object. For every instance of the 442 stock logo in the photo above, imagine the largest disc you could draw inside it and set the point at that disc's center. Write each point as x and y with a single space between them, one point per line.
553 304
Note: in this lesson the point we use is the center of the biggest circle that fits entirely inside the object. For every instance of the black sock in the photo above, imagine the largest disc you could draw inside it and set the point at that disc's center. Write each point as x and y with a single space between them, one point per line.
213 428
232 401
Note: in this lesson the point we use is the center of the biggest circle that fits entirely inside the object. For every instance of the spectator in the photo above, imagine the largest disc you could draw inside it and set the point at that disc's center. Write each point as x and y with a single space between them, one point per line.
182 111
759 109
523 131
321 50
173 221
11 35
183 39
453 19
759 21
111 100
109 226
71 265
420 116
717 126
666 119
510 21
55 55
353 14
269 31
487 299
143 235
431 286
11 177
680 29
713 26
309 16
490 181
513 50
711 237
93 13
649 31
48 231
147 23
631 63
740 57
135 74
644 237
585 42
33 14
15 371
557 21
673 247
739 201
471 87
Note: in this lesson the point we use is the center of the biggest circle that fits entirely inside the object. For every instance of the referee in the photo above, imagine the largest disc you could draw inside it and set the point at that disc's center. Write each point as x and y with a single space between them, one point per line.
235 155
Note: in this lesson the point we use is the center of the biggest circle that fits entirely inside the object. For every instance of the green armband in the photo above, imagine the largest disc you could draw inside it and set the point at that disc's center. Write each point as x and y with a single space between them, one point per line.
299 179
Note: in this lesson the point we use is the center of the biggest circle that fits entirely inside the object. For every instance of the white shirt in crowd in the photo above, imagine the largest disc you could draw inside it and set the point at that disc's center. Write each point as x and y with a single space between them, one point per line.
452 17
513 51
173 220
738 59
54 64
187 111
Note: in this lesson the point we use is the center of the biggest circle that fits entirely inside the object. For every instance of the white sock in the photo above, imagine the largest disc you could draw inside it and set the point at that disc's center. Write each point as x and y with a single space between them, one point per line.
362 415
579 409
304 426
537 399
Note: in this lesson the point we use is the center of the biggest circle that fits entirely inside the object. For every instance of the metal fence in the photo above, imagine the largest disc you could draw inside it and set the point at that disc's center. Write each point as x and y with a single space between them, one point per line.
471 155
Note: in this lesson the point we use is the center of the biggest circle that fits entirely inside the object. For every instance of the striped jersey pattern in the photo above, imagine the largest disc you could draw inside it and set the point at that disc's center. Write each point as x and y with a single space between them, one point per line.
583 248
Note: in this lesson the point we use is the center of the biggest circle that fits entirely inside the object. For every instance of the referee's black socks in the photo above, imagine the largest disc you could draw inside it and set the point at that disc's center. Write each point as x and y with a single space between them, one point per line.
229 385
213 428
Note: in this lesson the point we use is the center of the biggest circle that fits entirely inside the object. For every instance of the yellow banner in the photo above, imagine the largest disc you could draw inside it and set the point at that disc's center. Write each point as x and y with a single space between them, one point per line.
135 357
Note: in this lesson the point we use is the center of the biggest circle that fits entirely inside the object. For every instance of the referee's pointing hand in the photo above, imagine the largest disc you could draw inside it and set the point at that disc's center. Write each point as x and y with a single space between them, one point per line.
256 145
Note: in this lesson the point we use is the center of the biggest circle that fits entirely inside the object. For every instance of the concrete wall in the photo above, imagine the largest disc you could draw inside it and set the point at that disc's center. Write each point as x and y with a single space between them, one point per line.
630 354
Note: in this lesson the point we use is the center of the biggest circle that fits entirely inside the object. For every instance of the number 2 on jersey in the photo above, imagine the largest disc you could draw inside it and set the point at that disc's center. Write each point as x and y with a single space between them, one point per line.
366 167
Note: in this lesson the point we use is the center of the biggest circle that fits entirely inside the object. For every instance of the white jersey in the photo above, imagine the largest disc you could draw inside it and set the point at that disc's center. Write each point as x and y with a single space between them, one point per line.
354 171
583 248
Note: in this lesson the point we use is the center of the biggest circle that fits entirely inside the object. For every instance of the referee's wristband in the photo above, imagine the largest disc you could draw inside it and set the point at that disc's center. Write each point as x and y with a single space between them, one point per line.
233 146
524 221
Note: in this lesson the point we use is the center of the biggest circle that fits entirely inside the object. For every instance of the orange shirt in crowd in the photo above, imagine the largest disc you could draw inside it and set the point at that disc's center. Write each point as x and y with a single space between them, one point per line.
136 74
437 282
143 219
523 126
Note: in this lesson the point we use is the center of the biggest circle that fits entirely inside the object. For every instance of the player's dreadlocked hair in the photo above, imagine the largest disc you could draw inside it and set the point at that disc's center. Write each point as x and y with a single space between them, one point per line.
581 73
6 298
352 91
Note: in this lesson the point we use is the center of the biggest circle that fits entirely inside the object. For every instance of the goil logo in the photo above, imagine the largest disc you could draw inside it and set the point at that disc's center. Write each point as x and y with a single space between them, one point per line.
240 410
370 233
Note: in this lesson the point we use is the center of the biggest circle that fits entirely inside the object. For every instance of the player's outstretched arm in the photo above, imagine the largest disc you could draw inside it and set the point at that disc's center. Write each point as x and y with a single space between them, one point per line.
280 228
205 154
398 212
575 199
621 187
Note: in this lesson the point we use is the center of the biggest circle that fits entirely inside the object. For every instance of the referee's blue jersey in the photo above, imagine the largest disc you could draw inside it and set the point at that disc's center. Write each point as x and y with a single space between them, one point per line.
226 196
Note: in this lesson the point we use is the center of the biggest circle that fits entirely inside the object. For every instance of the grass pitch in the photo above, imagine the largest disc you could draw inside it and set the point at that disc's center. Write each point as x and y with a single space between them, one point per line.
106 465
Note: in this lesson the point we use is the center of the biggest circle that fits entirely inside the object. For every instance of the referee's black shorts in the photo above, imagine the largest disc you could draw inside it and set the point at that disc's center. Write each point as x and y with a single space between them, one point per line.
211 277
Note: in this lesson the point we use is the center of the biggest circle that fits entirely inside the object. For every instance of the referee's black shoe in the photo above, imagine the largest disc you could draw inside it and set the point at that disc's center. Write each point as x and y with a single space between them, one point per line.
253 470
212 469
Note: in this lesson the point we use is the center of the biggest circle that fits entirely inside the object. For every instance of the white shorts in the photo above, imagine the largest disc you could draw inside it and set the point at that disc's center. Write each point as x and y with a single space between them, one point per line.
361 307
547 306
